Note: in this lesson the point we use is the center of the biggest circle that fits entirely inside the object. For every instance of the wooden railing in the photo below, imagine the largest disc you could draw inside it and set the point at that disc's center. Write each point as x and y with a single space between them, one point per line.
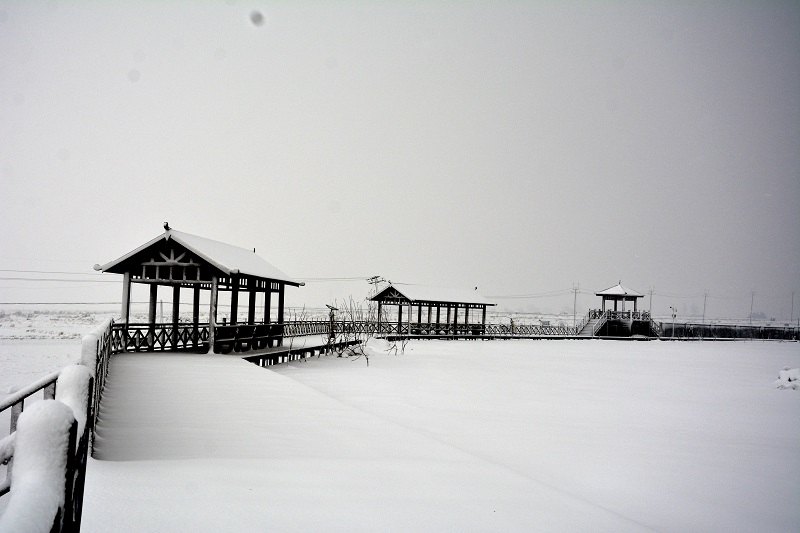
601 320
158 337
247 337
16 402
76 444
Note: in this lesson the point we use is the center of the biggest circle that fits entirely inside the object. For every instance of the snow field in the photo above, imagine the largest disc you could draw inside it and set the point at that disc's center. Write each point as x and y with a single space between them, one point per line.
467 436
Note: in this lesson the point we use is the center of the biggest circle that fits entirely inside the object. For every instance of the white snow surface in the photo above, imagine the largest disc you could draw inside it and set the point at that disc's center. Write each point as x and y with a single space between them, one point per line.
40 461
455 436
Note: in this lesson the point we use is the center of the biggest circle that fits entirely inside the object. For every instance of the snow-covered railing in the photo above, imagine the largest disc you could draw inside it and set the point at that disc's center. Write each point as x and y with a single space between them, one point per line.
96 349
49 443
689 330
46 453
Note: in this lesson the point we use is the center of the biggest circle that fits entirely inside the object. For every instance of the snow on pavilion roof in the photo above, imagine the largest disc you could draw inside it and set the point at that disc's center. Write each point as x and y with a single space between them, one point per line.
422 293
619 290
225 257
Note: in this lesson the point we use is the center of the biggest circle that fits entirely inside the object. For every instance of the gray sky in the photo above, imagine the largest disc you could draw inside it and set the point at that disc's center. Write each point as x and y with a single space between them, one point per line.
520 147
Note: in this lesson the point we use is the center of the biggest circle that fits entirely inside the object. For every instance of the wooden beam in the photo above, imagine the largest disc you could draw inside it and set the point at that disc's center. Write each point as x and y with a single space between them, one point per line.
251 307
126 298
234 299
399 319
281 302
212 314
195 315
151 316
176 302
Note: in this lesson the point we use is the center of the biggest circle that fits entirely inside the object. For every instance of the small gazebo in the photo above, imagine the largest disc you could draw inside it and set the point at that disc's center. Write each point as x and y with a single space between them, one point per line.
183 261
448 304
617 294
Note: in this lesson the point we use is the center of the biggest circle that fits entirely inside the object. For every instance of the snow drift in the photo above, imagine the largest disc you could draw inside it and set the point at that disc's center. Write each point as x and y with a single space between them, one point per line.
788 379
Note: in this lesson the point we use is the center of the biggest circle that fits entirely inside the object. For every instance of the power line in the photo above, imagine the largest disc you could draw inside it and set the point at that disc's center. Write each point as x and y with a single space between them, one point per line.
4 278
52 272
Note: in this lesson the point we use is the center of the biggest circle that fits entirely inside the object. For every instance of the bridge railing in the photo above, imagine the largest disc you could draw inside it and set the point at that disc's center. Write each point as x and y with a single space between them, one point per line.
59 428
158 337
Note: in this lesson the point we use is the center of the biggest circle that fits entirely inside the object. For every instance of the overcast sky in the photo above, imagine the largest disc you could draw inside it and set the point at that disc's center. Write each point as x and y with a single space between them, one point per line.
519 147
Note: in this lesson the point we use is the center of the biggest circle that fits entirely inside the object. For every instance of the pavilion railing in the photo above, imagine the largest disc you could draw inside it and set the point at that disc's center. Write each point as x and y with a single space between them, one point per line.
158 337
619 315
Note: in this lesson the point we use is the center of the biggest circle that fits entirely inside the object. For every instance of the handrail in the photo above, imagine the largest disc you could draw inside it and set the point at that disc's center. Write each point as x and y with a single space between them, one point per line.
30 390
583 323
600 322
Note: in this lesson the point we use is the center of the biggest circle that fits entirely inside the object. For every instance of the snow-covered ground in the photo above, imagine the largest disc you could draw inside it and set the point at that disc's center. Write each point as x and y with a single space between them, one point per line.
457 436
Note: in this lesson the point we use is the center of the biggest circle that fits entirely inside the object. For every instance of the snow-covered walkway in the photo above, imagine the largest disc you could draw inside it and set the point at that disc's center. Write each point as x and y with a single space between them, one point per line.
480 436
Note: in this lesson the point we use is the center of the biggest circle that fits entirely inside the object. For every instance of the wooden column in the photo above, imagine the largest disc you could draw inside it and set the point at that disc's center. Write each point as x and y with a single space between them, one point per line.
466 315
268 304
429 314
399 319
455 320
281 301
438 320
251 307
176 303
151 316
212 313
379 316
126 298
448 318
483 321
196 314
234 298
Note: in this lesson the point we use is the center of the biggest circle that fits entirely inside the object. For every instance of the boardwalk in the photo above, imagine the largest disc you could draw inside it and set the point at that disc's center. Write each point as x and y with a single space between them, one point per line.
213 443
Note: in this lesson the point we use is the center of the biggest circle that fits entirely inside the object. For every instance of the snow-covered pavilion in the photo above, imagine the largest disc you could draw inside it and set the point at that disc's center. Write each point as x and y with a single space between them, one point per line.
617 294
180 260
446 301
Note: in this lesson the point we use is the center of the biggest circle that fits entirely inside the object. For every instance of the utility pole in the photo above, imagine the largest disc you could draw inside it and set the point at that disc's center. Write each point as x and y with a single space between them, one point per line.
791 318
752 297
705 295
674 314
575 304
651 300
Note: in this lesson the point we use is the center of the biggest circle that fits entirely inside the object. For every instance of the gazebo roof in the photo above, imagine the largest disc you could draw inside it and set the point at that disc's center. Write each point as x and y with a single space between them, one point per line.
228 259
620 292
435 295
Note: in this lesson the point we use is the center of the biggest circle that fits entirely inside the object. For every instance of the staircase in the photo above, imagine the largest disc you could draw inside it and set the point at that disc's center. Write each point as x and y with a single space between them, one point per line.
589 327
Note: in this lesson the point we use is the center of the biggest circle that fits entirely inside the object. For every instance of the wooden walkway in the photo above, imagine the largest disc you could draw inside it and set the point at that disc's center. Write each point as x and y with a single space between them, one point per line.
293 349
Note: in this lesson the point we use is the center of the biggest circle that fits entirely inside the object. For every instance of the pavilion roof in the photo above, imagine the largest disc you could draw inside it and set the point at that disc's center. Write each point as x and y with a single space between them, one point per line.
619 290
229 259
426 294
